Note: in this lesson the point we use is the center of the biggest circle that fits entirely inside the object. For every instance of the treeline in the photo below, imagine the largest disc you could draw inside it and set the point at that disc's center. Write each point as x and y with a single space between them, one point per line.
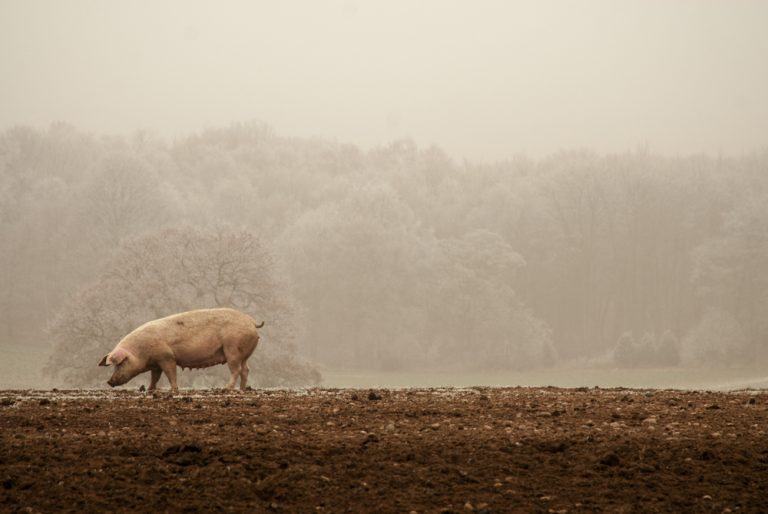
401 257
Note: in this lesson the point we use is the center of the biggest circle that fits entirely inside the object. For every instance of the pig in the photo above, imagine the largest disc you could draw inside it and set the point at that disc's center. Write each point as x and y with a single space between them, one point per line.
194 339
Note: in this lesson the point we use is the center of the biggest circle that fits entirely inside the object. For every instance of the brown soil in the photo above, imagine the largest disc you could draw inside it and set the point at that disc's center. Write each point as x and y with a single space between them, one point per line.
439 450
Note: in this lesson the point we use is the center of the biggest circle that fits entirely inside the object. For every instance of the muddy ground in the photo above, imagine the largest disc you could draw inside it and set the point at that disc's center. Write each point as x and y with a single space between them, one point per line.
438 450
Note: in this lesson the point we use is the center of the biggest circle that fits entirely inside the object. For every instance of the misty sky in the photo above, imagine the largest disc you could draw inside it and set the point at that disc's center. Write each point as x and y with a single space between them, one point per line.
484 80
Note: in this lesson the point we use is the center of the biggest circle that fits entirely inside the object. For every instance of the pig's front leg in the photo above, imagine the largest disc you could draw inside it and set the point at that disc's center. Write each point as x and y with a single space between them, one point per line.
156 374
169 368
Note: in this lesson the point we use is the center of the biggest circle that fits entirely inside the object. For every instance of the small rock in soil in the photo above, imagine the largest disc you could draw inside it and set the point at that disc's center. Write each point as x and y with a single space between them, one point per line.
610 459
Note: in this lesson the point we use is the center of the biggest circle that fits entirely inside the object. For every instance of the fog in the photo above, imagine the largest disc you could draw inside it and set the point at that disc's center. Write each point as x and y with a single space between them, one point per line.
431 193
484 81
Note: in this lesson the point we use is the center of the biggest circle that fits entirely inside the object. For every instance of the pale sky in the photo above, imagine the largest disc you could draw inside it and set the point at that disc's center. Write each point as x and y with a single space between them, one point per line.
483 80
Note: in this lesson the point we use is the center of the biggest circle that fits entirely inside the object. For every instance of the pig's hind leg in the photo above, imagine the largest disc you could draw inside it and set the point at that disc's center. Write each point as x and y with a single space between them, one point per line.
244 375
234 370
236 357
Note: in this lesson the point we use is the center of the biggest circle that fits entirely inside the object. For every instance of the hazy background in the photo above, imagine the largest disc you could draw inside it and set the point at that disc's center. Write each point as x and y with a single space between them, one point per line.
484 80
447 192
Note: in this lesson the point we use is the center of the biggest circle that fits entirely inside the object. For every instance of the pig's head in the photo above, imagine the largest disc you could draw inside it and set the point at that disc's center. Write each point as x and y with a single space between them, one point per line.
126 366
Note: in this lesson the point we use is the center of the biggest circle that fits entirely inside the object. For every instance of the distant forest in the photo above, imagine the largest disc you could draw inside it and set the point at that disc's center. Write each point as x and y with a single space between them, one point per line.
402 258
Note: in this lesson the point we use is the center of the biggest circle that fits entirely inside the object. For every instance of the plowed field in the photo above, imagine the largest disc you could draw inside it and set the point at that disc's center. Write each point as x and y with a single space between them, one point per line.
421 450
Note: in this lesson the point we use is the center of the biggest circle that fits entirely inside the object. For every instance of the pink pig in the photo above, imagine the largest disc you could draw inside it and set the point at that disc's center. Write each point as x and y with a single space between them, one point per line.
194 339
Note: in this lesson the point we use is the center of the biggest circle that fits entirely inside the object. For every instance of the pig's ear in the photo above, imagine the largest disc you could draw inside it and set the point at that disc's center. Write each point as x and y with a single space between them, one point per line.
117 356
104 361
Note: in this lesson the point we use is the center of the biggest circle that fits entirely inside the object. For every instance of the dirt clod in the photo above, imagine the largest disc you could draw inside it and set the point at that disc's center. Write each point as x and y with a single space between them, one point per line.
610 459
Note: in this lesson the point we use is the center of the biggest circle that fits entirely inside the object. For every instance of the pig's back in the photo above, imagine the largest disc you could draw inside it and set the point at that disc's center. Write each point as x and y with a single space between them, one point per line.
197 338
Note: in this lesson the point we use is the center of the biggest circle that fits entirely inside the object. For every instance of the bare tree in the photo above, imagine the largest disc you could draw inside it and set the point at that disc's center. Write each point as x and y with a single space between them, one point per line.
171 271
123 197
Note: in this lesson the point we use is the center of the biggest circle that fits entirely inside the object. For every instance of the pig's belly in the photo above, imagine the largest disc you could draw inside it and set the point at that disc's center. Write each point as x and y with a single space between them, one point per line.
201 361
